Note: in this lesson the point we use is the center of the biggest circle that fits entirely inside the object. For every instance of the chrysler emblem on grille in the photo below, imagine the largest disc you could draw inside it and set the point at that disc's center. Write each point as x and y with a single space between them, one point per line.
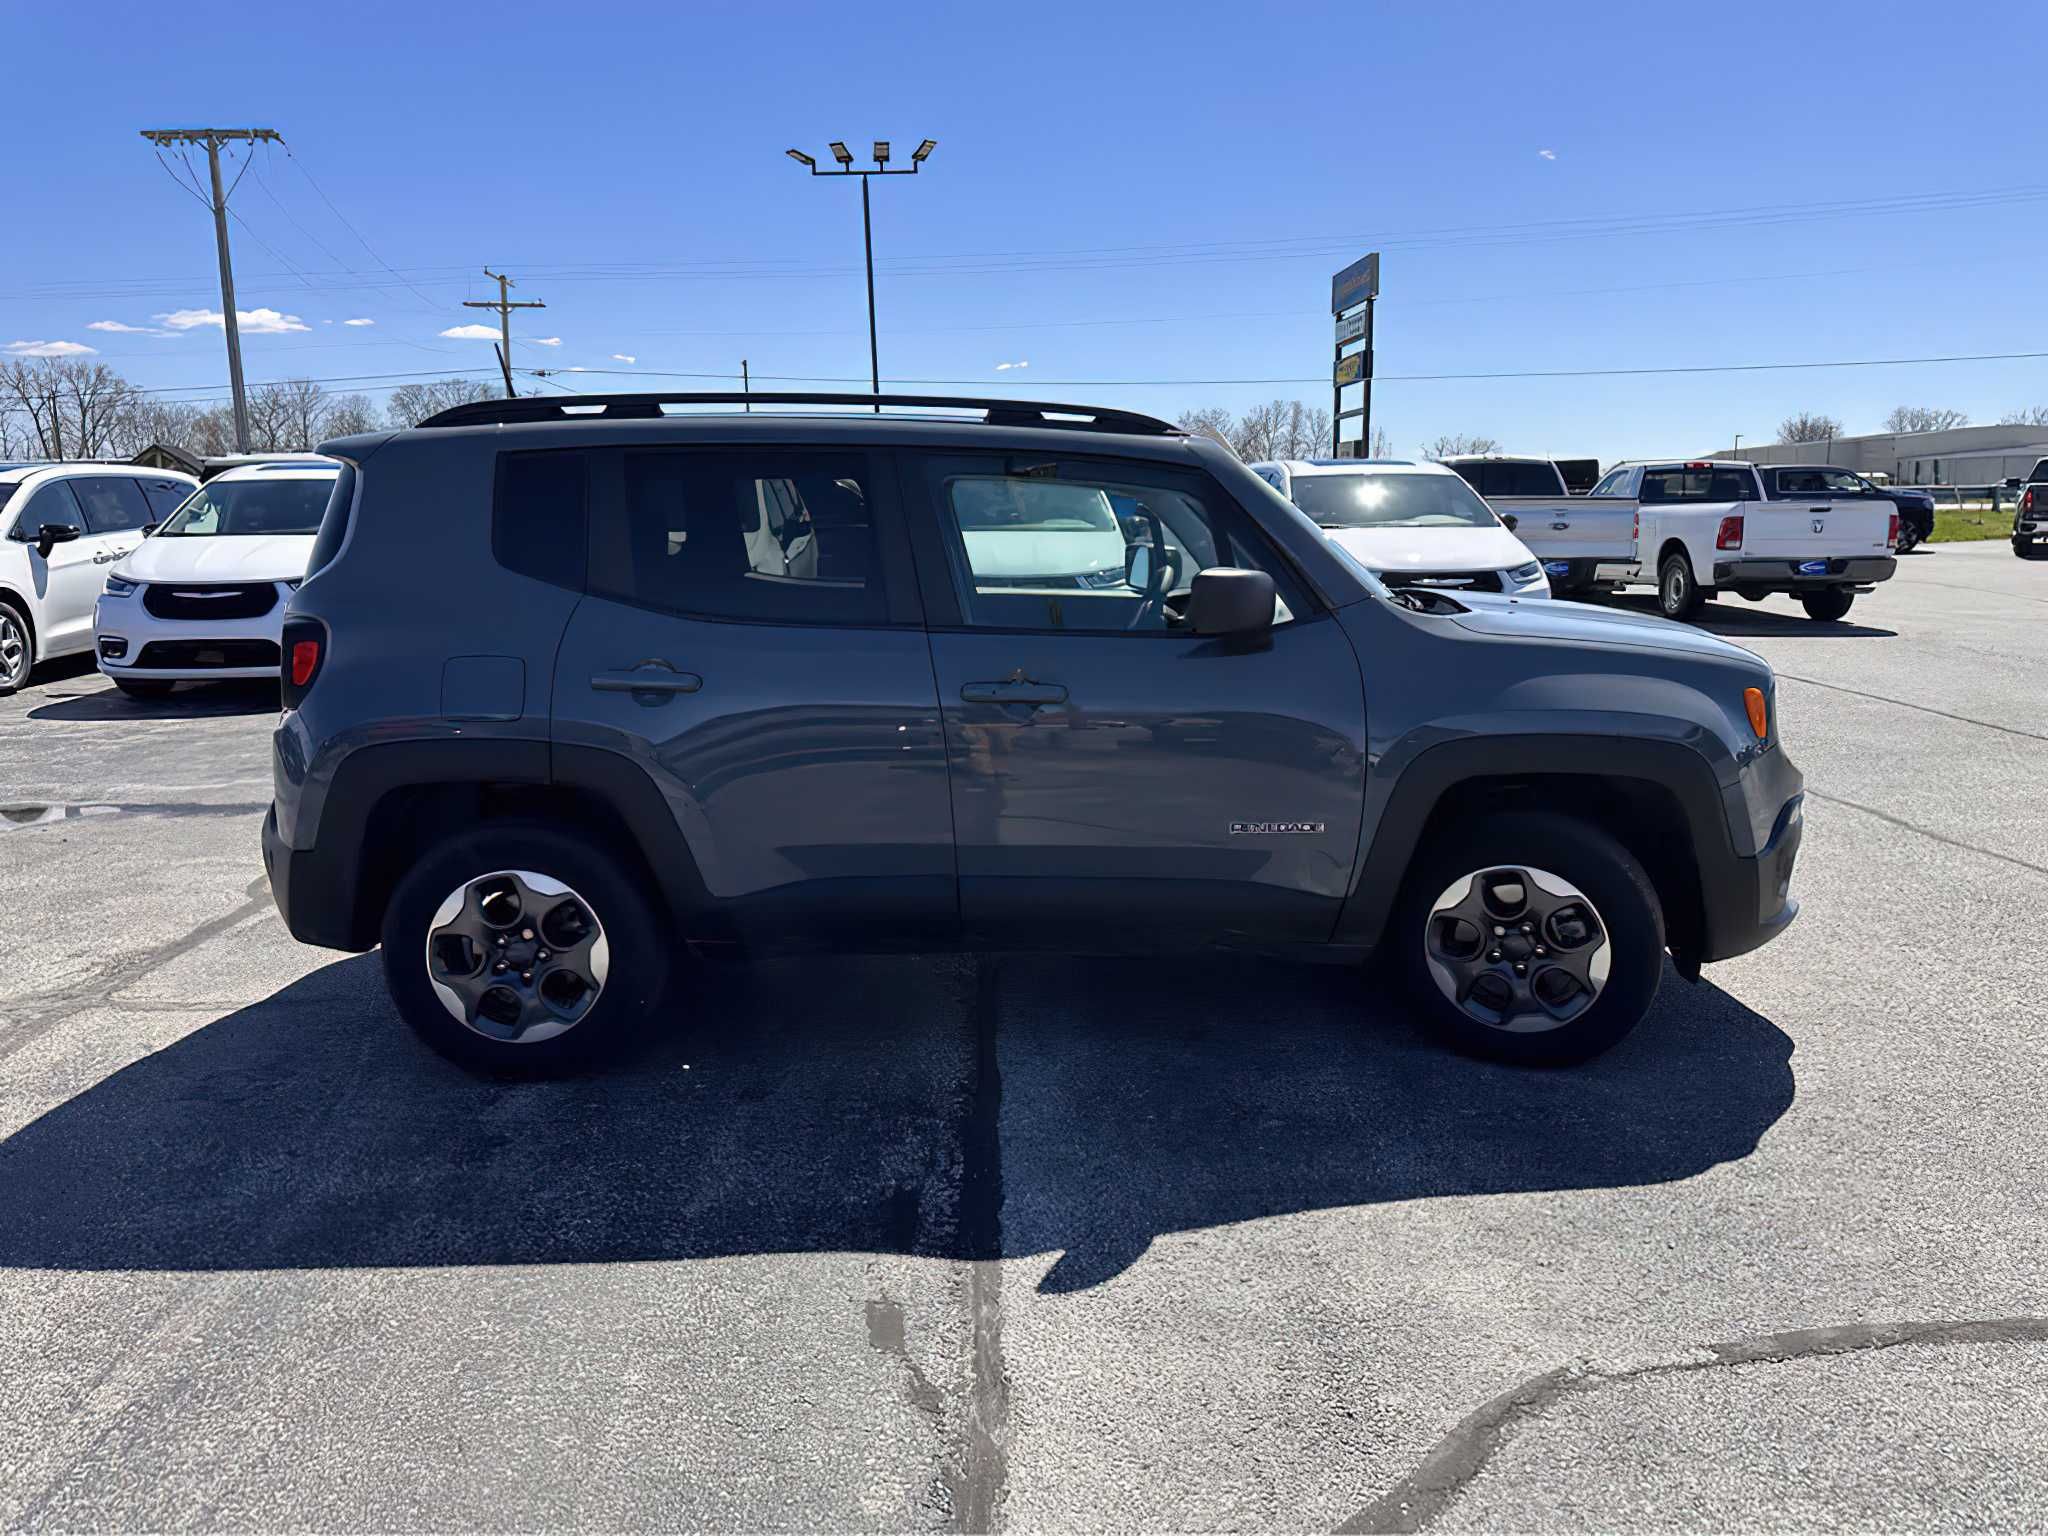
202 596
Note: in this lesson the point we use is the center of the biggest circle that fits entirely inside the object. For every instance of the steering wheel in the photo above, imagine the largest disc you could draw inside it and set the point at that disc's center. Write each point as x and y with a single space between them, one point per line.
1161 571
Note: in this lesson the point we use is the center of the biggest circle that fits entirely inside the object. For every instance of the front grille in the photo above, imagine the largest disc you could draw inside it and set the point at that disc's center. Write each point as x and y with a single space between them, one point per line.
208 653
1444 581
205 600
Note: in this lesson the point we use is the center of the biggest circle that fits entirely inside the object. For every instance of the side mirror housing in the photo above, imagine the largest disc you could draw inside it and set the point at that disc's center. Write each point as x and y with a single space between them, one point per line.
52 535
1510 522
1226 601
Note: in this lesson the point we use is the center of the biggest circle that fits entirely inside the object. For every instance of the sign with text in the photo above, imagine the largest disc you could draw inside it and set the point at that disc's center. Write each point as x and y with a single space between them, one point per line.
1350 369
1350 327
1355 284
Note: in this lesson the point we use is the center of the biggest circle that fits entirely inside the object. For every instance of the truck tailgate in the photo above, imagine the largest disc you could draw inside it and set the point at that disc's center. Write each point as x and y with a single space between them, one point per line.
1572 527
1802 530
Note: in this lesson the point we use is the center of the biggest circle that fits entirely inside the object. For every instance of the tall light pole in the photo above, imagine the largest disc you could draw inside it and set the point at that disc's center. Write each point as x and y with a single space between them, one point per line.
844 157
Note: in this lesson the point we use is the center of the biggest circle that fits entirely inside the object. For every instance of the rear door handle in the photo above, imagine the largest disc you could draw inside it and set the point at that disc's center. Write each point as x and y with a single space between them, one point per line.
647 677
1013 693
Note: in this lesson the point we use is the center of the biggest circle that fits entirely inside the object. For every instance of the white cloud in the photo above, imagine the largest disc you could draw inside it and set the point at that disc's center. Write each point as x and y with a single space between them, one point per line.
124 329
1005 367
471 333
624 357
254 322
1548 154
575 368
360 320
47 349
544 341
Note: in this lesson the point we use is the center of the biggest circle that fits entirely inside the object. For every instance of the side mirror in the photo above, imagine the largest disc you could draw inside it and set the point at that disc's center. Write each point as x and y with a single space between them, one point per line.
1226 601
1510 522
1138 567
54 534
149 528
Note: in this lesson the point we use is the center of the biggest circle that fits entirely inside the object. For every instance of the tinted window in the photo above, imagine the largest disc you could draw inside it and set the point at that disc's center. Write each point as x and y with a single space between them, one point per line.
246 508
1090 547
775 535
163 496
1521 480
54 503
112 503
538 522
1392 501
1681 483
1820 482
333 521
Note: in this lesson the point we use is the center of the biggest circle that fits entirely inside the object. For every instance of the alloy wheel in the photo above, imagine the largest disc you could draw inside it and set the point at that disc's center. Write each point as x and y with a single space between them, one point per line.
13 651
517 957
1517 949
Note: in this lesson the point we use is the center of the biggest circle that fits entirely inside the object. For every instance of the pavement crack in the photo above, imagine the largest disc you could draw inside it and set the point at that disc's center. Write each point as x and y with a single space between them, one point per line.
980 1483
1925 709
1953 842
1414 1502
29 1017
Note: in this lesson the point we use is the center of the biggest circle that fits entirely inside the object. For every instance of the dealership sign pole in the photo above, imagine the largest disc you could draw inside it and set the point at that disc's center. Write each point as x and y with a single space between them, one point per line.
1352 292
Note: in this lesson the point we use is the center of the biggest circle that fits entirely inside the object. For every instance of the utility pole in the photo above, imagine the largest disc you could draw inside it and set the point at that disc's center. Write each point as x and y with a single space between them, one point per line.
212 139
504 305
844 156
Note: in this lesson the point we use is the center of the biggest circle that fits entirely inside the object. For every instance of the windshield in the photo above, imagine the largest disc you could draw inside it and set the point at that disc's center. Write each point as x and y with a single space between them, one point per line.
251 507
1391 501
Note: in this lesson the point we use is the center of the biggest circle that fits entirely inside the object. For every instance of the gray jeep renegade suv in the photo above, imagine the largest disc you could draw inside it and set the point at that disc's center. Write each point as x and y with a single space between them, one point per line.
570 686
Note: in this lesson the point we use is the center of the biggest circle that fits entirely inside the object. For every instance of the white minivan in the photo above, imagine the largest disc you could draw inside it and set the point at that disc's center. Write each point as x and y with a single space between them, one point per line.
61 527
203 597
1411 523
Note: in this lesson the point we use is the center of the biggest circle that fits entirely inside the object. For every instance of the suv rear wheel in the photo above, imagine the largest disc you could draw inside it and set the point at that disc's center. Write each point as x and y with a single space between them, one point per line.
518 949
1531 938
1828 604
1678 594
17 648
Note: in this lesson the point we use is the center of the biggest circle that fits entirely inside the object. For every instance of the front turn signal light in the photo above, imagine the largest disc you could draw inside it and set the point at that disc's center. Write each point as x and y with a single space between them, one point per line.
1759 712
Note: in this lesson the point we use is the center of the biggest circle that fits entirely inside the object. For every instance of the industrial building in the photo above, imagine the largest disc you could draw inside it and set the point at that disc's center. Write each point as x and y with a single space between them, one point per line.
1959 456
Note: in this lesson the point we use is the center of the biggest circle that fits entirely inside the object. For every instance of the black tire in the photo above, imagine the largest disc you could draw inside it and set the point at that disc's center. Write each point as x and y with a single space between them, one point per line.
142 690
634 934
2023 550
1678 593
17 648
1590 860
1907 539
1828 604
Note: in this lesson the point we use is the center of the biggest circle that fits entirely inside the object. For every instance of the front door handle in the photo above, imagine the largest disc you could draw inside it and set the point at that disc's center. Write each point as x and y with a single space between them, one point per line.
106 557
1013 692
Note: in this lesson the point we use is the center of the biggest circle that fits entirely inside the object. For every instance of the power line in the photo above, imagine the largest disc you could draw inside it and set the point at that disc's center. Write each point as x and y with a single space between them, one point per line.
504 304
292 156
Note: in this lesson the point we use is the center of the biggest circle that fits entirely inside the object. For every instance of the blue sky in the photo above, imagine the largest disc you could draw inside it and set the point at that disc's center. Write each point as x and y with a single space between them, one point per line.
1121 192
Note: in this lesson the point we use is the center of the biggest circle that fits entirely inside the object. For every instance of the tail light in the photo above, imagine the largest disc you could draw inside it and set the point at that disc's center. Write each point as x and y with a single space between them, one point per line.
1730 536
1892 538
305 653
1635 527
2027 501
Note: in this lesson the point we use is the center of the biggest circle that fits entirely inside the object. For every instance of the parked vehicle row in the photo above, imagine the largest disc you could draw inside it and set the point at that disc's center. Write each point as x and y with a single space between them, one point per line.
2030 517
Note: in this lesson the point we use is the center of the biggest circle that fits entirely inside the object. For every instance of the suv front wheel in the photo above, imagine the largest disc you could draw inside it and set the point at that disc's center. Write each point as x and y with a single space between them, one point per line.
1531 938
515 948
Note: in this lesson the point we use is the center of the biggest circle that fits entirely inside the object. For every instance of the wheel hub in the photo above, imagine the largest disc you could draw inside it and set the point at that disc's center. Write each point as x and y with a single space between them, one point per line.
517 956
1516 948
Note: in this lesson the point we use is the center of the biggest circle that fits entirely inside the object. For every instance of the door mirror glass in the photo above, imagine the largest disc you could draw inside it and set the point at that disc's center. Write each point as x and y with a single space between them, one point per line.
1138 567
53 534
1227 601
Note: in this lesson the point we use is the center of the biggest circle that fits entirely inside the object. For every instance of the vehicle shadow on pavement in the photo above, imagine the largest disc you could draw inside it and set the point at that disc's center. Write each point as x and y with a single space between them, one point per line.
192 701
853 1105
1732 617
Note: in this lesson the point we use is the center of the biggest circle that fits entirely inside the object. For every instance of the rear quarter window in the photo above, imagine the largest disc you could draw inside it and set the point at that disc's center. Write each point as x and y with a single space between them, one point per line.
334 522
540 517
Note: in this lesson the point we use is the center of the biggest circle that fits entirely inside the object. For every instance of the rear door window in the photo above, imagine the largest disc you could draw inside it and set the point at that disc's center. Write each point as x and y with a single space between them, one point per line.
770 535
163 497
1616 482
1511 479
539 516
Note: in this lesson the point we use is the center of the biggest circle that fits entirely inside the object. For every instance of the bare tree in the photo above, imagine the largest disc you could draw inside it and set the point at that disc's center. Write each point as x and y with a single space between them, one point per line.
1925 418
1452 443
411 404
1258 432
76 408
347 415
1382 444
2030 416
1808 427
1211 421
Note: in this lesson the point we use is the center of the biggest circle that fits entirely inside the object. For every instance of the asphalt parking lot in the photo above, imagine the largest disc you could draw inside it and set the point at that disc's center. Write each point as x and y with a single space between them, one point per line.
1024 1243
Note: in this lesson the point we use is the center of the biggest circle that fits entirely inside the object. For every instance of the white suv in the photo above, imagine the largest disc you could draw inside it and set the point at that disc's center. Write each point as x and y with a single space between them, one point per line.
1412 524
61 527
203 598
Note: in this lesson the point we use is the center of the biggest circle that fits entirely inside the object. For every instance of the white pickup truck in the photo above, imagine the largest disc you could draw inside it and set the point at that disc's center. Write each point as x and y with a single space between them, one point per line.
1707 526
1573 536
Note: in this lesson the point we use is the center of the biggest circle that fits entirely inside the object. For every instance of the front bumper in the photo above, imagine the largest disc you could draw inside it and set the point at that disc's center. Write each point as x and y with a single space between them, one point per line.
1746 884
133 643
1790 575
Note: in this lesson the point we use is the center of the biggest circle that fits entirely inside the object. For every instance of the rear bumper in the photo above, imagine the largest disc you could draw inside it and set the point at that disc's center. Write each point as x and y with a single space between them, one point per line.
1790 575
